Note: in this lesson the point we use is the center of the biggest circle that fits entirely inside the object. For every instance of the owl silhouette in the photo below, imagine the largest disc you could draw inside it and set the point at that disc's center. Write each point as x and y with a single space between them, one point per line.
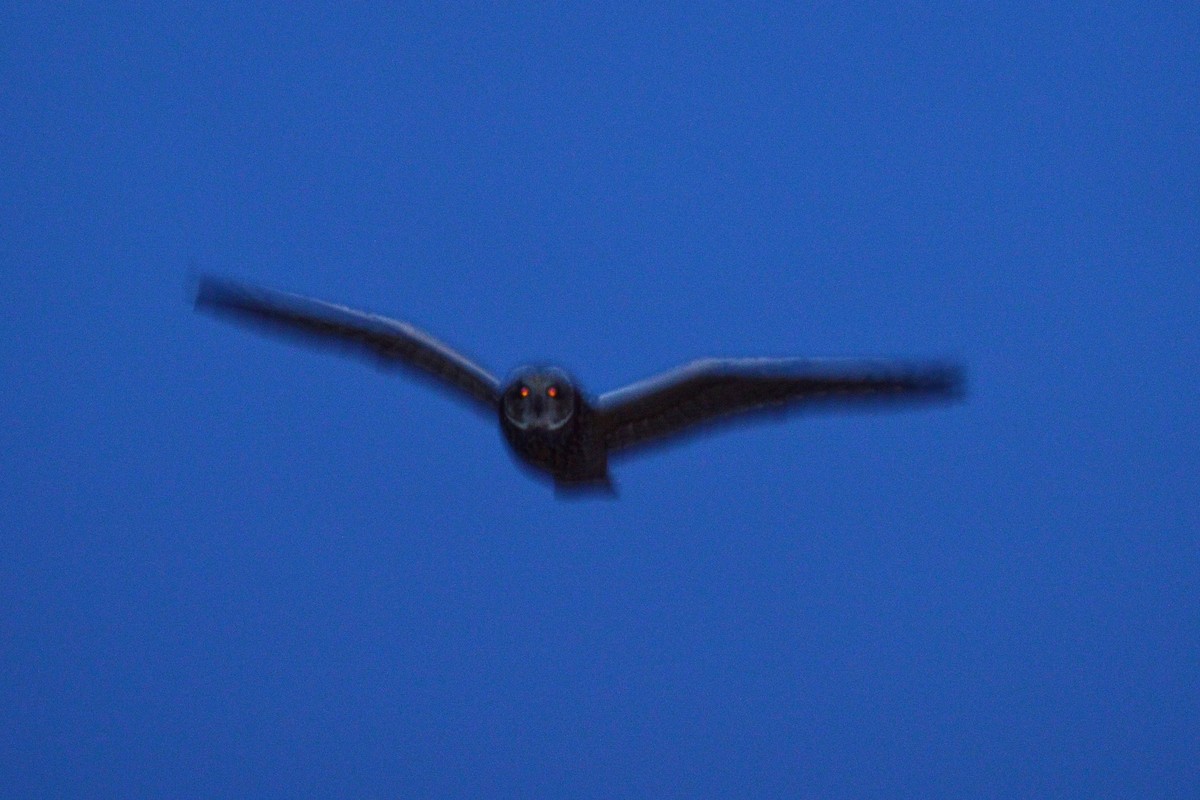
554 428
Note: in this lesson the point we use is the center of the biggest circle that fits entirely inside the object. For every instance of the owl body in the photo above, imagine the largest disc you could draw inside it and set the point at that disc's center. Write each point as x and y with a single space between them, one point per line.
551 427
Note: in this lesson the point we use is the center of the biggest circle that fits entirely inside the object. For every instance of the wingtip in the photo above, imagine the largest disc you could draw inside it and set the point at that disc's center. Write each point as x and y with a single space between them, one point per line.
951 382
215 294
208 290
198 287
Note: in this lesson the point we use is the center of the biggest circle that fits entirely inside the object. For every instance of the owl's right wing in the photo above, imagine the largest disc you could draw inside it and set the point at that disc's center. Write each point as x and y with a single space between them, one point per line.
705 392
394 342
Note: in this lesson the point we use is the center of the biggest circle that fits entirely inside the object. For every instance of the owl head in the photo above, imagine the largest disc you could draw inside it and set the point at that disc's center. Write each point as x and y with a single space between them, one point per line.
539 399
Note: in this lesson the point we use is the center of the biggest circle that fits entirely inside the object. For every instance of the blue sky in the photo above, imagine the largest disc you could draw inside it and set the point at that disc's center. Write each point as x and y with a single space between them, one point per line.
231 566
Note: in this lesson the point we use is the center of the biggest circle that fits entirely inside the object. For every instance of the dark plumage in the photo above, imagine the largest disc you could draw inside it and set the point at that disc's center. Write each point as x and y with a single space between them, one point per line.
548 422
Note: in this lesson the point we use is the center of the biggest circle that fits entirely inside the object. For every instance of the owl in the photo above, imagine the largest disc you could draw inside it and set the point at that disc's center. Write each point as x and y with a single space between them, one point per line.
550 424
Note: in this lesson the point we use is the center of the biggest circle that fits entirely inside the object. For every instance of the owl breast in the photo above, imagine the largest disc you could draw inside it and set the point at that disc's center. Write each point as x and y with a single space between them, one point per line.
569 454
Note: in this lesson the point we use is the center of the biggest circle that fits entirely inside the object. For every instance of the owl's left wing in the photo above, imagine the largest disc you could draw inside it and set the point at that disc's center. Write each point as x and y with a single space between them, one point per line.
715 390
390 340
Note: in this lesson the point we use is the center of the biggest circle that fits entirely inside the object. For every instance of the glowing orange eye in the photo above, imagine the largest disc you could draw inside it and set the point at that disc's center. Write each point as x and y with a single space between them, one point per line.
524 391
552 391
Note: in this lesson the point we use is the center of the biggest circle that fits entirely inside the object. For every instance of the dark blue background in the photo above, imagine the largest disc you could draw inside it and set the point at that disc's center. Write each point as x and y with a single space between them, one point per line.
234 567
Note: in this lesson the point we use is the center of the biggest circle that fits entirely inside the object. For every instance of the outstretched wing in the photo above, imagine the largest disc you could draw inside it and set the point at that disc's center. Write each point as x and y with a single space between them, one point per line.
396 343
715 390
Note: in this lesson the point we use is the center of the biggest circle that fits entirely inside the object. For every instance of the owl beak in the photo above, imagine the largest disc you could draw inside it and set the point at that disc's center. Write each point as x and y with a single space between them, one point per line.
539 406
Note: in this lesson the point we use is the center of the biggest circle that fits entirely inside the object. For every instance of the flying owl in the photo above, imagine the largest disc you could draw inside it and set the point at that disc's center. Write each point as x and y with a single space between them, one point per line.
550 424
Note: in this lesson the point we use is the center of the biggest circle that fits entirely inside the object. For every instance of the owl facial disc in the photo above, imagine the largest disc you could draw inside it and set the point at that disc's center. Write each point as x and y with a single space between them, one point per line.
539 398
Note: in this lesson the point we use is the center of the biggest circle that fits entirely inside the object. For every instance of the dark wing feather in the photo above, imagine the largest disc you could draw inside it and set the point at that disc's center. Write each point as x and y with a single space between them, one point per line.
713 390
396 343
